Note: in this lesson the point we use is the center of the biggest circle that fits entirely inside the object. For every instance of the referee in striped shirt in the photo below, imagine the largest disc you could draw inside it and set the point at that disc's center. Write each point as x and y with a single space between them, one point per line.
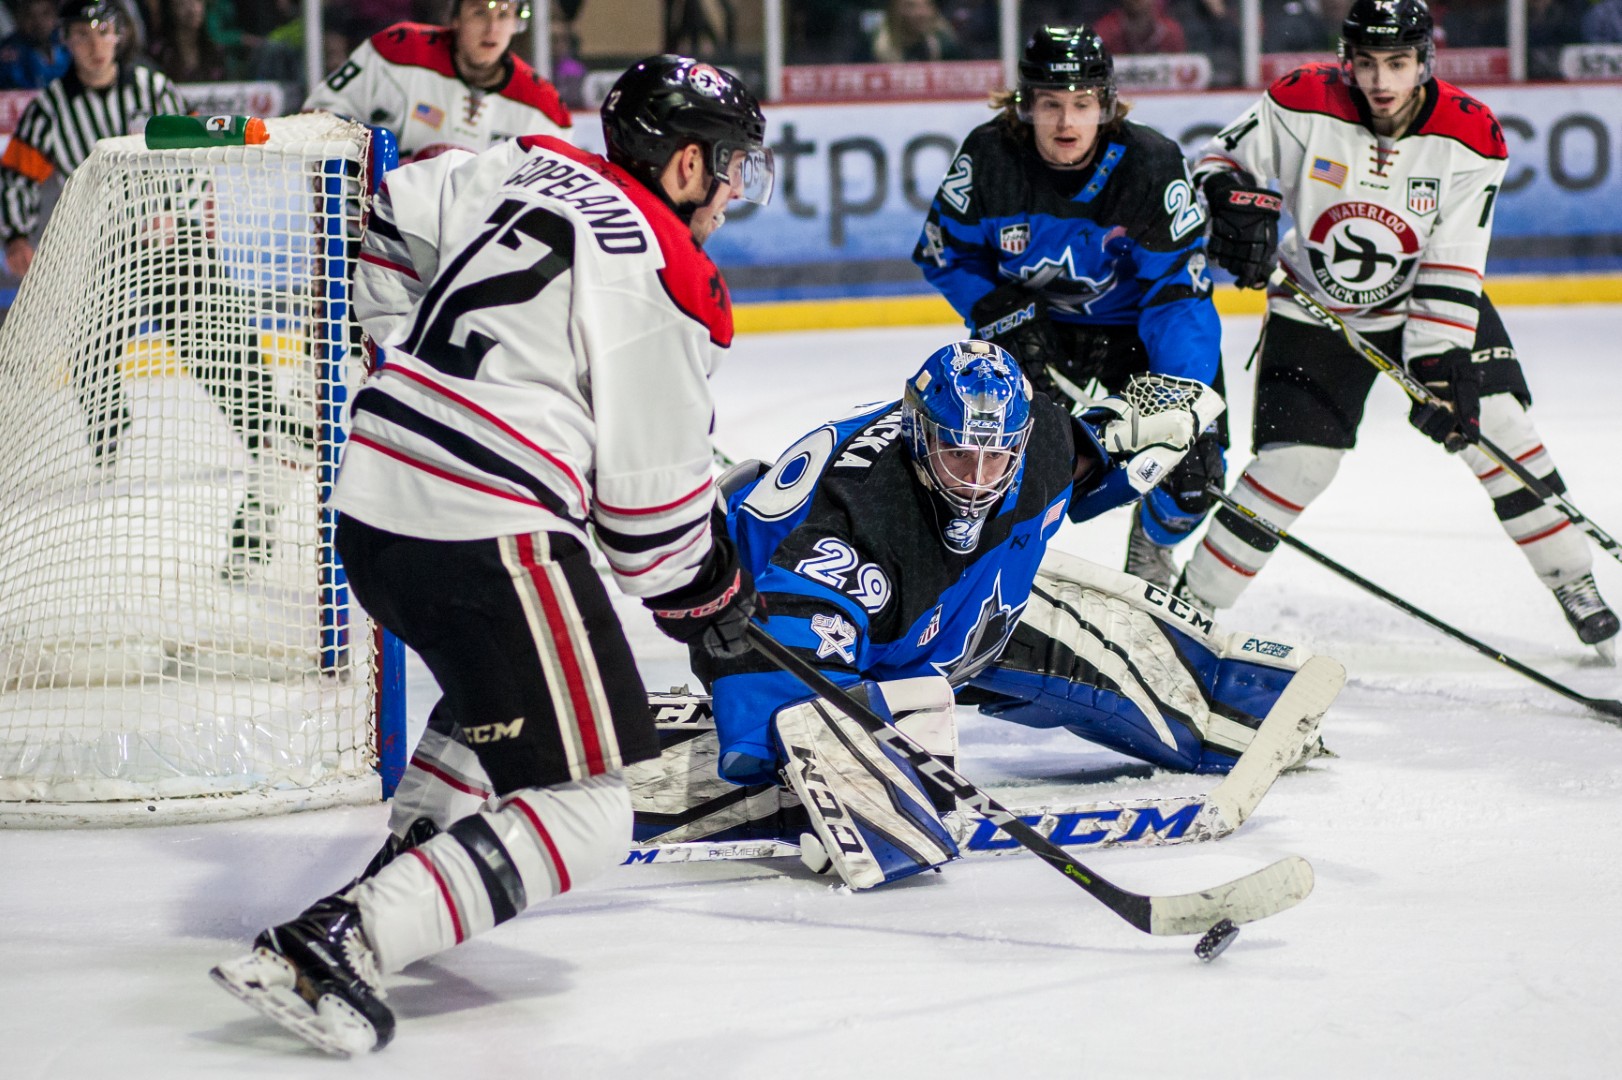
97 98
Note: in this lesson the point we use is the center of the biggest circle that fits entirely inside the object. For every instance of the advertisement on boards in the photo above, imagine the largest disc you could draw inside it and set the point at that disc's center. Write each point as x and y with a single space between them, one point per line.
855 180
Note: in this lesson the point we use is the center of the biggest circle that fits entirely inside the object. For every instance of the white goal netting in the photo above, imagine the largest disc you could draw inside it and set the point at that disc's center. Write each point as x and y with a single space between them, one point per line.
176 639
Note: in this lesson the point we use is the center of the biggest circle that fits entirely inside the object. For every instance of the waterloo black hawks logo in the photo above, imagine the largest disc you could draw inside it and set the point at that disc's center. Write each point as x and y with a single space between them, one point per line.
1362 254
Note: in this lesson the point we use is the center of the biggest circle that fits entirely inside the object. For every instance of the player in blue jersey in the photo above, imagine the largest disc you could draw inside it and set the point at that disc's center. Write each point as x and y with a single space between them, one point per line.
1072 237
896 551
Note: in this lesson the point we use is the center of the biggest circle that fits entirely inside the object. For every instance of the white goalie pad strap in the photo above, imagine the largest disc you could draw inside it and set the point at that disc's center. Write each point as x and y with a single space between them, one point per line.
443 782
685 776
926 709
489 866
851 792
1113 621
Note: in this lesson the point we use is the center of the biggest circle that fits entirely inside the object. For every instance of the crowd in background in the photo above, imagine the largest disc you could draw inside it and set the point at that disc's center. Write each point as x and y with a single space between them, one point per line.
196 41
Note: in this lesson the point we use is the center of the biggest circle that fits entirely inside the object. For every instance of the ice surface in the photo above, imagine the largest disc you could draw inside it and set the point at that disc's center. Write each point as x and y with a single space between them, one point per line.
1467 845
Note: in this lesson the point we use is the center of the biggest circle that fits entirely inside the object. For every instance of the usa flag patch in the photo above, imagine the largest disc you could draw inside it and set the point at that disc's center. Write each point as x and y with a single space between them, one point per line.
428 114
1330 172
1055 512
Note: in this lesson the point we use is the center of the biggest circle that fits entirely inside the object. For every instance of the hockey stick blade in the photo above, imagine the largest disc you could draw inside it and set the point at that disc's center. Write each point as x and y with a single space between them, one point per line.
1156 822
1255 896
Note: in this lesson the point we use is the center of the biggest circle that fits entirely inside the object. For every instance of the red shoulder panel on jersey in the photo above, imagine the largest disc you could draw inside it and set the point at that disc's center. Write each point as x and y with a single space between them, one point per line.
416 45
689 277
1460 117
1315 88
528 88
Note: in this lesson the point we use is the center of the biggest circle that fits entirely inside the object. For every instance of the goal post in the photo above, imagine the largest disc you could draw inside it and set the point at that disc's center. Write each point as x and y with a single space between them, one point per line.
177 637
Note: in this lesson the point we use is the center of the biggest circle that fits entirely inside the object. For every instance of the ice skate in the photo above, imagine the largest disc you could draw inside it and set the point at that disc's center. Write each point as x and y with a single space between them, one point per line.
1589 615
317 977
420 832
1147 559
1187 595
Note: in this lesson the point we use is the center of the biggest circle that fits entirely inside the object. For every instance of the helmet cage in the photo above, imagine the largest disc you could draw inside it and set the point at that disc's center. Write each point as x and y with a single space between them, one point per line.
966 417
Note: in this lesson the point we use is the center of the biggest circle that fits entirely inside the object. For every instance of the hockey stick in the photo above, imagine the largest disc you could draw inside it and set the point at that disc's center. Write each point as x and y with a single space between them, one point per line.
1285 277
1605 706
1184 819
1265 892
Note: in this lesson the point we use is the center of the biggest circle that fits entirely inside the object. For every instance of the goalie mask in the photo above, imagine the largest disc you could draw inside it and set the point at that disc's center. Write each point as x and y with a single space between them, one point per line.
966 417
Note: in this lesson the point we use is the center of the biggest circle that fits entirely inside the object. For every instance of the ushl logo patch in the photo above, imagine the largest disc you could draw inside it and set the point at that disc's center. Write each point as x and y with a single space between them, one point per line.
1422 195
1014 239
835 637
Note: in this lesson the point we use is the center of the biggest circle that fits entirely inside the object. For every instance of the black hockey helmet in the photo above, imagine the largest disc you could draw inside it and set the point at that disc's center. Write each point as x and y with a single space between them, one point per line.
1066 58
665 102
90 11
453 8
1385 25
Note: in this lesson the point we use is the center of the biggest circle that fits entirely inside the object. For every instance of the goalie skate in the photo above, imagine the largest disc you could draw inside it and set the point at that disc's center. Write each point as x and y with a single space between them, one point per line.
316 977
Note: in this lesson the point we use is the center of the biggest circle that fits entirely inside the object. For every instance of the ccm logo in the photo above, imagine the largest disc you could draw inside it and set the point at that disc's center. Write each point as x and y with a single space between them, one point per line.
1261 200
485 733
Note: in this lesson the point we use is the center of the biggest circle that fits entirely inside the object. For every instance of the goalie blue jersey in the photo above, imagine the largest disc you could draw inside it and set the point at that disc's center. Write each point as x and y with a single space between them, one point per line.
845 546
1120 243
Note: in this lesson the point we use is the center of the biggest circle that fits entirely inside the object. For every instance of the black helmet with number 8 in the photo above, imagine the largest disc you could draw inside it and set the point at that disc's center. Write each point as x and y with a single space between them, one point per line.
1066 58
666 102
1384 25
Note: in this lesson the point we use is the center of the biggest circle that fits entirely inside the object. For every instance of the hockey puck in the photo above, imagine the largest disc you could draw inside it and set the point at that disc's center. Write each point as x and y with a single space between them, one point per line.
1216 939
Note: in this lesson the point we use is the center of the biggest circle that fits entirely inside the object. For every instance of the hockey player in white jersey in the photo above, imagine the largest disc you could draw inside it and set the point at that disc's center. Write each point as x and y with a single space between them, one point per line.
441 87
1391 175
546 324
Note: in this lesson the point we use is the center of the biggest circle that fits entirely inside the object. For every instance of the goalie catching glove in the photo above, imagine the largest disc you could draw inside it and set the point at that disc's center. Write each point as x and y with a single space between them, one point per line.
1149 430
1454 420
715 609
1244 228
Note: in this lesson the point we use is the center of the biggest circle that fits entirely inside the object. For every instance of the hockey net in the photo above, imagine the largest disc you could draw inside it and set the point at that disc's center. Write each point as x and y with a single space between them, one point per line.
176 637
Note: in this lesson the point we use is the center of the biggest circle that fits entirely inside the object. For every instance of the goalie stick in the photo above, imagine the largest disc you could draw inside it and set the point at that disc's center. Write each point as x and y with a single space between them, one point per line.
1279 741
1607 707
1268 891
1285 278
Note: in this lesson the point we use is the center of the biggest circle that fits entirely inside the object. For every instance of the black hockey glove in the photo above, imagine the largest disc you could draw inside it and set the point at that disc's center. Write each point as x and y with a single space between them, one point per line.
1017 320
1244 228
714 611
1453 377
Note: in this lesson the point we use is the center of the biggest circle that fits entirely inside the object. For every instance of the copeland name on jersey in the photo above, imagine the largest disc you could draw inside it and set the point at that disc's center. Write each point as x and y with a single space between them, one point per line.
404 79
1116 243
844 542
1385 229
475 425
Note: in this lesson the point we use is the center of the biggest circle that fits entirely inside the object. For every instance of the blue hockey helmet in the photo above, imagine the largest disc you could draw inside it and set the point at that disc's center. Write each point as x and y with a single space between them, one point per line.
966 417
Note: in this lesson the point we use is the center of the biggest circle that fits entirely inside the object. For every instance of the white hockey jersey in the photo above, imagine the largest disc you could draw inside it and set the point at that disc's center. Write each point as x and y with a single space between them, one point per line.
1386 230
546 329
404 79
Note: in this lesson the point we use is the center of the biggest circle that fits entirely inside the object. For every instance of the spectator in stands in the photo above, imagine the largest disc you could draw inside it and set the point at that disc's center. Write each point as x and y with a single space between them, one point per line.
912 30
1551 25
34 55
1603 23
568 72
1477 24
1141 26
1212 27
185 50
1293 26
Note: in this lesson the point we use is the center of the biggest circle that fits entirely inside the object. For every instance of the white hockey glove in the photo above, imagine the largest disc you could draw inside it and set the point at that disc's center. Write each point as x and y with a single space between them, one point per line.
1149 429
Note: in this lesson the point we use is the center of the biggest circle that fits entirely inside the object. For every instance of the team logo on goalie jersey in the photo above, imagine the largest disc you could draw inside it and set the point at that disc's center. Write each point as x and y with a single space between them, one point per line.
1422 193
1014 239
835 637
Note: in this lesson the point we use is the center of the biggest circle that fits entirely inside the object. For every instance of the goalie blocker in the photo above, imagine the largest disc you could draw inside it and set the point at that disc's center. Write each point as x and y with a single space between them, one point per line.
1114 659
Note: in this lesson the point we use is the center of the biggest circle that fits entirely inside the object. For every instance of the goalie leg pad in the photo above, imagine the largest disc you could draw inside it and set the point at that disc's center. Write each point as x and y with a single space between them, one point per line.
1278 485
489 866
868 809
1558 554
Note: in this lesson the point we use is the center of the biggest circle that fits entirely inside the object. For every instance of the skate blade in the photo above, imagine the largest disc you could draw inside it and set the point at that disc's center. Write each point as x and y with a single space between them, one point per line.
1607 650
267 983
